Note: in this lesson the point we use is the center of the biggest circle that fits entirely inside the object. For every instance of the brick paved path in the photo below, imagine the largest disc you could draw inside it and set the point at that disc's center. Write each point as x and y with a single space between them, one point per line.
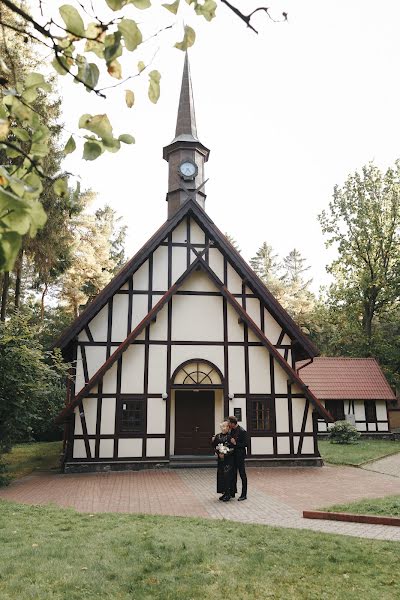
277 496
390 465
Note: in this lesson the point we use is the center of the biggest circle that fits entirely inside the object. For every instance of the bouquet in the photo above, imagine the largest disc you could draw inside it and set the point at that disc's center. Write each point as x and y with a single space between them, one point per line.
223 449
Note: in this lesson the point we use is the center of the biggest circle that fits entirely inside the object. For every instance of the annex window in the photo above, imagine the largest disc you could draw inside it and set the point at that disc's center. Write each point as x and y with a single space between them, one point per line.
261 416
131 415
370 411
336 408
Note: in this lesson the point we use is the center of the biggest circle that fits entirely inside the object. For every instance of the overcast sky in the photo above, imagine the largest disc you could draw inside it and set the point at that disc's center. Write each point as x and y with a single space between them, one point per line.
287 114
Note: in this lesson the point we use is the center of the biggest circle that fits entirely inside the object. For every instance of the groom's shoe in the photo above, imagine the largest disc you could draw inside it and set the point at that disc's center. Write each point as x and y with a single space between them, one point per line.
226 499
221 497
242 498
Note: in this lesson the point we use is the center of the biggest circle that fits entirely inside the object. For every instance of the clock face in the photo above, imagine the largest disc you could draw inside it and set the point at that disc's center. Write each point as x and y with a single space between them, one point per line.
188 169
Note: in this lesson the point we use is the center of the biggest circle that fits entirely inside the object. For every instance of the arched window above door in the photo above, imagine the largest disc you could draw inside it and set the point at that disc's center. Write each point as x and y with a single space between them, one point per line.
197 373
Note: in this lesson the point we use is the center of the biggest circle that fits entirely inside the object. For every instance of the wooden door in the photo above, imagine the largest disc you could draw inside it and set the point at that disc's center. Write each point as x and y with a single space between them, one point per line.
194 422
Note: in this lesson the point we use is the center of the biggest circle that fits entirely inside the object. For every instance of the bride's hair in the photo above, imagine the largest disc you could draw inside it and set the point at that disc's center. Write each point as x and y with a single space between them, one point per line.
224 425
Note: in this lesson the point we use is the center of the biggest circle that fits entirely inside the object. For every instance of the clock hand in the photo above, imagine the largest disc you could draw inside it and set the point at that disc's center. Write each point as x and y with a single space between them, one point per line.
191 194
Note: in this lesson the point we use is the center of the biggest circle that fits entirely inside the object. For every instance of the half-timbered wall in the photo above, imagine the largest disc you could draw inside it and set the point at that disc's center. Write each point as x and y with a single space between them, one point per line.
197 323
372 418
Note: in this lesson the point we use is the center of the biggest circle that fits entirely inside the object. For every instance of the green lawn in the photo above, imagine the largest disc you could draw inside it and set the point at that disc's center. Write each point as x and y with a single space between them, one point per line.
47 553
357 454
388 506
25 458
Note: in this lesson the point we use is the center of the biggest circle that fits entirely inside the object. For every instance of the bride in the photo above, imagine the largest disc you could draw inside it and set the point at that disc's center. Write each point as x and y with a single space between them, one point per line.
224 449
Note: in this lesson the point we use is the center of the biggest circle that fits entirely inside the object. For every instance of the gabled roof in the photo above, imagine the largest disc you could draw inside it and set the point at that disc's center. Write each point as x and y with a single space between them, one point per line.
305 348
340 378
198 263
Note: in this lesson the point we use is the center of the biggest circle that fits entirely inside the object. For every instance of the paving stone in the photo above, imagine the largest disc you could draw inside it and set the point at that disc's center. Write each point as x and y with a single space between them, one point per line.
390 465
277 496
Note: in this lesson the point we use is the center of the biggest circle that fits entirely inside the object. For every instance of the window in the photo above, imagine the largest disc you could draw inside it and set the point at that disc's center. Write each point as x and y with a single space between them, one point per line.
131 416
261 414
370 411
336 408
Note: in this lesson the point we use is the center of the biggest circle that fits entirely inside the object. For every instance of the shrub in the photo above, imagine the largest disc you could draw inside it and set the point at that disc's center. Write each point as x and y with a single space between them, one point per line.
343 432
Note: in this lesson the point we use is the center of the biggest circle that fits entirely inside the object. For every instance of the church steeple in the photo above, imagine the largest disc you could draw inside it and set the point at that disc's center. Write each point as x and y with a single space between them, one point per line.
185 155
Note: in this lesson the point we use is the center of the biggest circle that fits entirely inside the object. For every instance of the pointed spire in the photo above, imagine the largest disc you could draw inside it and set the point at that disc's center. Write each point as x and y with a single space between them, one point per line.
186 121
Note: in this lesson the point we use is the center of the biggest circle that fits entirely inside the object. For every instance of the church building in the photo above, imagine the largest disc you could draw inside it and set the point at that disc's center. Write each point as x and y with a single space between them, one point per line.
183 336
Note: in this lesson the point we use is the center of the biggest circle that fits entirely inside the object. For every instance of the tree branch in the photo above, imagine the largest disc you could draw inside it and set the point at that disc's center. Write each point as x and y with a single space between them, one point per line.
247 18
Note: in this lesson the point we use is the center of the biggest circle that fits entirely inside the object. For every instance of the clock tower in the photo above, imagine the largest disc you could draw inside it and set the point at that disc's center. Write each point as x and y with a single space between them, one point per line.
185 155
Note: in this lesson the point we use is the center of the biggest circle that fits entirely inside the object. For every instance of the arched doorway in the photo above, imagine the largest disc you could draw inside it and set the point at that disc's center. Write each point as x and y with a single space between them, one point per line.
197 385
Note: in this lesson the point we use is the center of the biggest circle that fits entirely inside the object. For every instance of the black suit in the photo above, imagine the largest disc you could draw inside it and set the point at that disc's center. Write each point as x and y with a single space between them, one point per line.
240 435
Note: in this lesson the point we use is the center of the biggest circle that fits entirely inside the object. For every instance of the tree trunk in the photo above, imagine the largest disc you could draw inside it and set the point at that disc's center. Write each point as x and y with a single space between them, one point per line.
42 301
18 272
4 296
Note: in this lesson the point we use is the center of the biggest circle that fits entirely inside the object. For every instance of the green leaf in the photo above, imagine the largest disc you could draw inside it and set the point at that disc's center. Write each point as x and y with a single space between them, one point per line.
131 34
188 39
113 47
141 4
72 20
22 112
10 243
116 4
172 7
39 150
141 66
70 146
34 186
21 134
154 86
17 186
207 10
126 138
59 68
114 69
60 187
88 72
92 150
96 47
4 128
98 124
129 98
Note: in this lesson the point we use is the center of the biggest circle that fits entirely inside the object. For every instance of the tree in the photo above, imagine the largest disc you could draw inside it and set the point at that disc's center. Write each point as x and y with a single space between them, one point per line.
73 39
363 221
297 298
267 265
233 242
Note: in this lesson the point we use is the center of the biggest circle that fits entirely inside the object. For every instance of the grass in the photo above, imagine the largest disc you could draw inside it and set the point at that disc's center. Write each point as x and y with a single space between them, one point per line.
25 458
47 553
357 454
389 506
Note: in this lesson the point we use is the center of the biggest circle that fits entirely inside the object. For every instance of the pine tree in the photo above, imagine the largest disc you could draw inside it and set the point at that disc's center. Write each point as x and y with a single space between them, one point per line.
267 266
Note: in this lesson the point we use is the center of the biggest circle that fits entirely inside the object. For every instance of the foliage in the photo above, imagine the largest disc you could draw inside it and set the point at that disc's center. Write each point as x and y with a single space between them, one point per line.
233 241
356 454
31 382
388 506
23 459
47 553
343 432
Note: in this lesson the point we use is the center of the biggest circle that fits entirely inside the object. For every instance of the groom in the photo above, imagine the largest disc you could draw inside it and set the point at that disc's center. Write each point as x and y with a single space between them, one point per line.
239 440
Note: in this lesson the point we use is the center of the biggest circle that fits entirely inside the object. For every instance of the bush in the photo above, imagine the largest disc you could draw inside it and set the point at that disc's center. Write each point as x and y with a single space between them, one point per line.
343 432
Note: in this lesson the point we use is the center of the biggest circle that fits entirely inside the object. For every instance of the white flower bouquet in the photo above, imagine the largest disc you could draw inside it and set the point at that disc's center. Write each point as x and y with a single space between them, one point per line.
223 449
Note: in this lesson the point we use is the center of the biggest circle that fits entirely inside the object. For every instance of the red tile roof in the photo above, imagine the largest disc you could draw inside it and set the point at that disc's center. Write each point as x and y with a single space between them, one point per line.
337 378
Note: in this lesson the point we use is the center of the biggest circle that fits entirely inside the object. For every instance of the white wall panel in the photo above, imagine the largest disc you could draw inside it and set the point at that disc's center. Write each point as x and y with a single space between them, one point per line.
196 233
381 412
130 447
197 318
179 262
286 339
160 268
282 415
236 370
283 445
235 329
262 445
98 325
219 409
383 427
106 449
95 357
78 424
79 449
141 277
157 369
198 282
155 447
139 309
79 377
126 285
107 425
359 411
120 317
260 378
280 379
216 262
239 403
308 445
159 327
253 310
110 380
179 234
214 354
272 328
298 412
82 337
156 415
90 408
234 281
132 370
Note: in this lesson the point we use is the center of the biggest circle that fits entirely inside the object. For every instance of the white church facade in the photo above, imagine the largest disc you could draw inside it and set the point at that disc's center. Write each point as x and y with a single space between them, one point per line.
183 336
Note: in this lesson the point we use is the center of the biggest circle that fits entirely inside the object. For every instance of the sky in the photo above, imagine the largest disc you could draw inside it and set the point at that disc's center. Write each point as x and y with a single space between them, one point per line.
287 114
